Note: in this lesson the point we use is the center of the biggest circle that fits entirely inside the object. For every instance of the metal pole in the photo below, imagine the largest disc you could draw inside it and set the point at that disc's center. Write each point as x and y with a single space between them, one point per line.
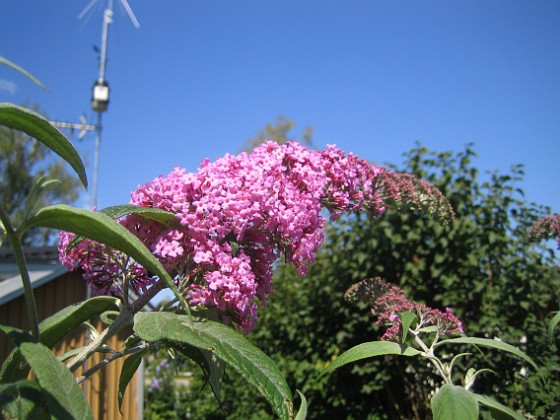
96 160
107 20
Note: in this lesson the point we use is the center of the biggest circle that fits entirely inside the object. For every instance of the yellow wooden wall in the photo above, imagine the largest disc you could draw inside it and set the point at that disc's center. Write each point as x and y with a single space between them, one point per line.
101 388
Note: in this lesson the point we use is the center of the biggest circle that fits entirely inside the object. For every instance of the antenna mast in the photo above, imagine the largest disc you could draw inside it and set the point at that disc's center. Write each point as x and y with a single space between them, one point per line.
100 97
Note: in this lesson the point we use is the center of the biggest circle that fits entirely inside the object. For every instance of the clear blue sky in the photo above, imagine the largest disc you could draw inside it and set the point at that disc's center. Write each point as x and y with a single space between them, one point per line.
200 77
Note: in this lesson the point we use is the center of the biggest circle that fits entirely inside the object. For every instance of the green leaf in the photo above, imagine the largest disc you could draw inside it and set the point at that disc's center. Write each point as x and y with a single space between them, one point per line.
302 412
38 127
61 323
64 397
129 368
454 402
552 326
115 212
471 375
370 349
499 411
227 344
101 228
22 71
212 366
158 215
22 400
407 318
488 342
53 329
40 185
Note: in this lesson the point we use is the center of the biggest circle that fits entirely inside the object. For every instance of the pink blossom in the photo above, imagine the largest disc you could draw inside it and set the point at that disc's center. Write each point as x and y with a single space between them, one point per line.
547 227
238 215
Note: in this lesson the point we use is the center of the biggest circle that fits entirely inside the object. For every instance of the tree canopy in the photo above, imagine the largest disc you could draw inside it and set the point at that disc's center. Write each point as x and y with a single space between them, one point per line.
22 162
280 131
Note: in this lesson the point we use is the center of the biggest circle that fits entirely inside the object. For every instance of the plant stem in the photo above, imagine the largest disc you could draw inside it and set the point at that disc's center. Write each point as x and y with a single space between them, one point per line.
125 318
431 357
15 243
108 360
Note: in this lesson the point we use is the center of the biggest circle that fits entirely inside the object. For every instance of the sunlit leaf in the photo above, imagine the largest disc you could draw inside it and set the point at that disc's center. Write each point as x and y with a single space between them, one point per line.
115 212
101 228
38 127
407 318
454 402
158 215
302 412
370 349
488 342
227 344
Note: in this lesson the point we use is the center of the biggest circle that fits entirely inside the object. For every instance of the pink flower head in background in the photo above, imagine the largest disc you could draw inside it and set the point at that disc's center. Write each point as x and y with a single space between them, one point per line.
388 302
239 214
546 228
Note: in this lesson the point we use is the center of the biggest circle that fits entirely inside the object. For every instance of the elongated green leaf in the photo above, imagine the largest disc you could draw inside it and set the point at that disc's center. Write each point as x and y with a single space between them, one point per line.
158 215
504 411
40 185
552 326
370 349
230 346
64 397
58 325
53 329
302 412
101 228
488 342
454 402
22 71
212 366
115 212
38 127
407 318
22 400
130 366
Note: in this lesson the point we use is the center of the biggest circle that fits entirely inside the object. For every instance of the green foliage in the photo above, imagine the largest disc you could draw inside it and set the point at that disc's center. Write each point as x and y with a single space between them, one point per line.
371 349
64 398
454 402
253 365
23 163
483 265
55 328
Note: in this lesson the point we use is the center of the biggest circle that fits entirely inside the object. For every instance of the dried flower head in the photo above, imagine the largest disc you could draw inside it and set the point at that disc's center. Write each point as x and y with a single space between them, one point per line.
388 302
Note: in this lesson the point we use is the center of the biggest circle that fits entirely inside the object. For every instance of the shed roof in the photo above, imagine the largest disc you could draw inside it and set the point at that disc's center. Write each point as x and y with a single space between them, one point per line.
43 266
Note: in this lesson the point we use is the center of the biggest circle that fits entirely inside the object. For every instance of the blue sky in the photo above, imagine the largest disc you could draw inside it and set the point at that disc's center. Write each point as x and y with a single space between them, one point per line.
201 77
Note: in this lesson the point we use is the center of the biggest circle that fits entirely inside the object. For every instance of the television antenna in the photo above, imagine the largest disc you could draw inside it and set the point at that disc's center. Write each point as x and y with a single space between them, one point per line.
100 95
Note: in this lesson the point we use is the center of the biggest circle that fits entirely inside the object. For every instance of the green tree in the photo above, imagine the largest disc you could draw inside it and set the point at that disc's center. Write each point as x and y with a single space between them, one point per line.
280 131
483 265
22 162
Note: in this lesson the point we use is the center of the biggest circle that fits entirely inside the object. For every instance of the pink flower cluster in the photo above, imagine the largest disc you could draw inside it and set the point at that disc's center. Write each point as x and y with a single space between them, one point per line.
388 301
237 215
547 227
